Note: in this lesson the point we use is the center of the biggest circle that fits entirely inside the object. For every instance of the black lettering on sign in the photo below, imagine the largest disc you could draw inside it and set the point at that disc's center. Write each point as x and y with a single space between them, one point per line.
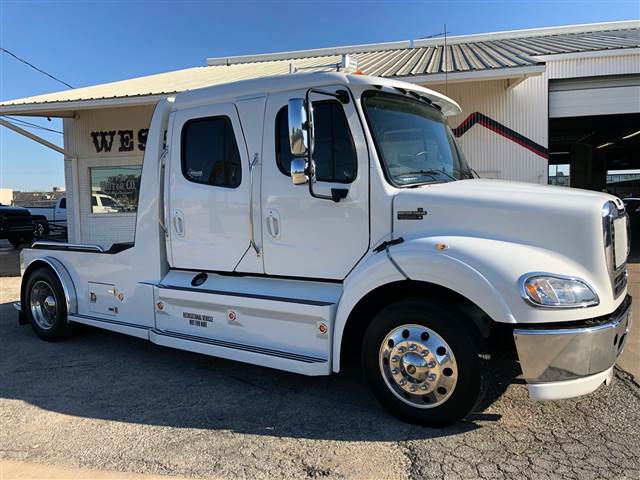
126 140
412 214
142 138
103 141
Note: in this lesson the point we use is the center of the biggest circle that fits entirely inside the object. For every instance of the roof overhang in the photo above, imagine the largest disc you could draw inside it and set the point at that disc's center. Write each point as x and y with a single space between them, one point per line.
476 75
69 109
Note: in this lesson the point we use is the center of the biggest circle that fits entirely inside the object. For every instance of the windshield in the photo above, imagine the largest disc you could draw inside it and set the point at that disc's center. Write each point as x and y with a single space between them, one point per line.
413 140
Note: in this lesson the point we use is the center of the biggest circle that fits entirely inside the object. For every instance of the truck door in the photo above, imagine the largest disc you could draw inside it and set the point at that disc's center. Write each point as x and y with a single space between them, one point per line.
208 189
305 236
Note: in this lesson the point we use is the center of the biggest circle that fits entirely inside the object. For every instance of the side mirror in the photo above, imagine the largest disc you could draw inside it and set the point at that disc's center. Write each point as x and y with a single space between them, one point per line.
299 171
298 128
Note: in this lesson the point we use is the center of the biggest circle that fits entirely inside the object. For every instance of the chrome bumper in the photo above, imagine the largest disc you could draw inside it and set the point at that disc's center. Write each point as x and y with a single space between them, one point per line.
557 355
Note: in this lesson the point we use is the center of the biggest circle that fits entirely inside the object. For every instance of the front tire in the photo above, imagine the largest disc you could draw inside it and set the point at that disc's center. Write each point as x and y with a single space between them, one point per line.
17 240
425 362
45 306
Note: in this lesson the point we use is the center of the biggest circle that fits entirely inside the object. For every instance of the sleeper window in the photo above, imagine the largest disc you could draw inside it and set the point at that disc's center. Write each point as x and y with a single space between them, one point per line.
334 152
210 153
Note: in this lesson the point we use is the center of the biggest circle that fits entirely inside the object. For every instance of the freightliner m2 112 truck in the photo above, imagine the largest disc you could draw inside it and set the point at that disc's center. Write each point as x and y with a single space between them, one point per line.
289 221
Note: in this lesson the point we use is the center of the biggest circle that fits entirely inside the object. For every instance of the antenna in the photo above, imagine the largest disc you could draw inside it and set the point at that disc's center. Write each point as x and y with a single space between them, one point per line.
446 76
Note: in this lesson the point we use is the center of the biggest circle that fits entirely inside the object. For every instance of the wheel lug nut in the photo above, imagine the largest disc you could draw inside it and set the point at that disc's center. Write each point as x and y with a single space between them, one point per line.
424 352
395 371
431 364
432 376
412 347
395 358
402 349
413 388
423 387
402 381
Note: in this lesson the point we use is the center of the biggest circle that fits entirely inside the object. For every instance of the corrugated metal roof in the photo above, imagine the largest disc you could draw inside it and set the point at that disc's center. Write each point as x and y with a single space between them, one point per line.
500 51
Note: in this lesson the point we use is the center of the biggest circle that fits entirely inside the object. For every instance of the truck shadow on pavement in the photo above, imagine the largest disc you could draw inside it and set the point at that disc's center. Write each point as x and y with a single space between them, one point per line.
103 375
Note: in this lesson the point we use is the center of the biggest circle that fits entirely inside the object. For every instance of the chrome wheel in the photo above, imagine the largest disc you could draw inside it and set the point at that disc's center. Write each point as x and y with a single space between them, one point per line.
418 366
42 303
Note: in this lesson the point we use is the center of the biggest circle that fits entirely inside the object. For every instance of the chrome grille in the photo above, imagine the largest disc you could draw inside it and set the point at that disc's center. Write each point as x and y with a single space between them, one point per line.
617 273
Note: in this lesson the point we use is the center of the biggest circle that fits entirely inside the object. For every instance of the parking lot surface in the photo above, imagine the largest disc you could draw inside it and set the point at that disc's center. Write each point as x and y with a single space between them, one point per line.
104 401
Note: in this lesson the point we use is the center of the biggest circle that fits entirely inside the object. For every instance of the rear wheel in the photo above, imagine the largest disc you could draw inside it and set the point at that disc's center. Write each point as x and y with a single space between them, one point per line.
45 305
425 362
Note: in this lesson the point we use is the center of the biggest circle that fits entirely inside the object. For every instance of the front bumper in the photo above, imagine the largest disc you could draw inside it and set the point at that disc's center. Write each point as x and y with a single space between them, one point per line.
562 362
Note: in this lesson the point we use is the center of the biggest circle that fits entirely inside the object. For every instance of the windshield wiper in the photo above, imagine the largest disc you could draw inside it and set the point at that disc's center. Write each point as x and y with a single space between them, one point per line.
431 173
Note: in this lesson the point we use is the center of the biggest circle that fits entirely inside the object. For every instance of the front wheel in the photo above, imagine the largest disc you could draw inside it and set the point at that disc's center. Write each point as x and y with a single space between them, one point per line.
425 362
17 240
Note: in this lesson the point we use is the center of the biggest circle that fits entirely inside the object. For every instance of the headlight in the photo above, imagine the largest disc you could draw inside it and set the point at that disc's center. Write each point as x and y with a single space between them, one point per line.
557 292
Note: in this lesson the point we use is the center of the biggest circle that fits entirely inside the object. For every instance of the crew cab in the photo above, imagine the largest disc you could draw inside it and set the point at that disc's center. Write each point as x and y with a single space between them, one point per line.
289 221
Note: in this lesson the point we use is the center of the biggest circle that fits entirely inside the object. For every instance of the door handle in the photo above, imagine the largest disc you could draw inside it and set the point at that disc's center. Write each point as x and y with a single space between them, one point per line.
273 224
178 223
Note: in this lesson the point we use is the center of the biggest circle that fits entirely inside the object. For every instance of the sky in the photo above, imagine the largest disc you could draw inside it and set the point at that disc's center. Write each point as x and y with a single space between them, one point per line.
88 42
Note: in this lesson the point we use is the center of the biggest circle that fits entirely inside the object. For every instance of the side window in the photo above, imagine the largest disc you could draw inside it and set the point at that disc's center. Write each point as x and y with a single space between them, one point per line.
334 151
210 153
63 203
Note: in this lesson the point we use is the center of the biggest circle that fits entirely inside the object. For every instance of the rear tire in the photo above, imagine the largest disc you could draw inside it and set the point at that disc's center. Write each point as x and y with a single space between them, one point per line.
45 306
425 362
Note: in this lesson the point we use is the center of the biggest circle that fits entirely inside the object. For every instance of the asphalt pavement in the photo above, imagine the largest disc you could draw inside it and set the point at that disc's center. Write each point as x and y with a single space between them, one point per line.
108 402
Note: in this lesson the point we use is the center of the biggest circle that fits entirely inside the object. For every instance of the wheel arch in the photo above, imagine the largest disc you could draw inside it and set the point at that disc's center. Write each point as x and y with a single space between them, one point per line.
375 300
58 269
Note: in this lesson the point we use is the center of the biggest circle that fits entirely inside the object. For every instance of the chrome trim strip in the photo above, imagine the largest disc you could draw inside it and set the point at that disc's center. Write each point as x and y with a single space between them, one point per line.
316 303
240 346
68 246
523 291
108 320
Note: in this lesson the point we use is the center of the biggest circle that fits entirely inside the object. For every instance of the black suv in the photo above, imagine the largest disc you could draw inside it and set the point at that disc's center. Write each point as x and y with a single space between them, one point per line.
16 225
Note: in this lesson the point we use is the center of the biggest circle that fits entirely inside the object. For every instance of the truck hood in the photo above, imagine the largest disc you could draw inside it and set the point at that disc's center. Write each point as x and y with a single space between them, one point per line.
8 211
564 220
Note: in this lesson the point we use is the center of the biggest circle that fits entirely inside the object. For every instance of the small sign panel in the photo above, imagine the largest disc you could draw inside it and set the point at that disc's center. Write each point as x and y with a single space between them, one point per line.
412 214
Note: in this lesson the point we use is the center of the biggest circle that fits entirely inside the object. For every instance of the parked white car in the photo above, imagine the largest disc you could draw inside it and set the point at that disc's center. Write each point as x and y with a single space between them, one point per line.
290 220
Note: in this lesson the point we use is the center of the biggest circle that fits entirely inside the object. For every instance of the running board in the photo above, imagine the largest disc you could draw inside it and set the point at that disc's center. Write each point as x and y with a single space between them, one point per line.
263 357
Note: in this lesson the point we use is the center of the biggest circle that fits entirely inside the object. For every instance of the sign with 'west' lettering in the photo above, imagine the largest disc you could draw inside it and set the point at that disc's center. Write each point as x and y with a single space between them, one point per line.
119 140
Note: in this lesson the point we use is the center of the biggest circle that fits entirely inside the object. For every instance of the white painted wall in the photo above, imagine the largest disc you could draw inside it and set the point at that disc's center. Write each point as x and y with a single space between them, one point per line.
85 227
522 108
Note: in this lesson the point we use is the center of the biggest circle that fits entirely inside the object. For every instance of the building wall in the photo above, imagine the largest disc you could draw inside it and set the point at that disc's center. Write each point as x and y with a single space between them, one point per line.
524 111
6 196
508 136
102 229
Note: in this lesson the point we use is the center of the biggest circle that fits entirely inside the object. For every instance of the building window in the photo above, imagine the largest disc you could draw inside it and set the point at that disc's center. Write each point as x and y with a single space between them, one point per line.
210 153
333 152
115 189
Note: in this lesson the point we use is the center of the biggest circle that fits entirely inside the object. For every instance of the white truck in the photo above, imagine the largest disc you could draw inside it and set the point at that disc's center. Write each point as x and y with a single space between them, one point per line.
292 220
49 218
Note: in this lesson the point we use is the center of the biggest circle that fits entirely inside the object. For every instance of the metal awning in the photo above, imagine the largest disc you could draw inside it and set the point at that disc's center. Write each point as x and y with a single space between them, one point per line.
500 55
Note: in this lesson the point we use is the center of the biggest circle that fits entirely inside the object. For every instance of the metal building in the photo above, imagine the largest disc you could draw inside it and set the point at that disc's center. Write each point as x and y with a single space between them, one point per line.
531 99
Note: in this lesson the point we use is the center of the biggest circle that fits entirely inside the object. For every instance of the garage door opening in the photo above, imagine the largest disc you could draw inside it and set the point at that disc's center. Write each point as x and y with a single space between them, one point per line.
599 153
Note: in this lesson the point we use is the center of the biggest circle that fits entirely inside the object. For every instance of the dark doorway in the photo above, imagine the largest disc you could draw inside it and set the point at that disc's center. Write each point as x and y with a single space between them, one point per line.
599 153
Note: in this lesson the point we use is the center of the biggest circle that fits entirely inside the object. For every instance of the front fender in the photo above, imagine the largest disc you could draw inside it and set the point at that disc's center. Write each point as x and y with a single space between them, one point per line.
487 272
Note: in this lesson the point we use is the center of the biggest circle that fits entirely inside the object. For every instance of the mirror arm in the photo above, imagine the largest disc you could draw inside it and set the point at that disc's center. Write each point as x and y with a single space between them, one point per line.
337 194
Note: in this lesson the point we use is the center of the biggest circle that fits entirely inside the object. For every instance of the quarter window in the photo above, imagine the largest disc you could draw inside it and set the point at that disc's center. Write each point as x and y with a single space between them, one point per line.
210 153
334 151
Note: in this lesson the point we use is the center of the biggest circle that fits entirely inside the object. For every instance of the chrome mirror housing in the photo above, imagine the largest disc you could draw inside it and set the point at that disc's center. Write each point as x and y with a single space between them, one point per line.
298 128
299 171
